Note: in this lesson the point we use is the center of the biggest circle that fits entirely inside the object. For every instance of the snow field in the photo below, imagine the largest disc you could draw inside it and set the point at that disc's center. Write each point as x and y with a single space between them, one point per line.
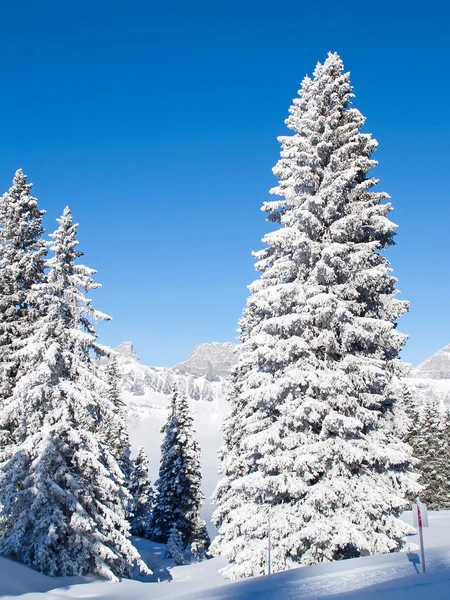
394 576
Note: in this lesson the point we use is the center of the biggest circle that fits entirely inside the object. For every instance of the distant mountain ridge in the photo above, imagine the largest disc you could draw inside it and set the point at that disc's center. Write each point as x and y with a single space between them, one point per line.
212 361
207 366
431 379
435 367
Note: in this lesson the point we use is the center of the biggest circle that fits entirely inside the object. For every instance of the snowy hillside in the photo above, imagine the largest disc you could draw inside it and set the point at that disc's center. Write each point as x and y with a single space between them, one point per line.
394 576
146 391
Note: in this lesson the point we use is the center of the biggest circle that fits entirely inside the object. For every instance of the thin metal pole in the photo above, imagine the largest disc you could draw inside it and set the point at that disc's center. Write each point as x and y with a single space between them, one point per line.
422 550
269 544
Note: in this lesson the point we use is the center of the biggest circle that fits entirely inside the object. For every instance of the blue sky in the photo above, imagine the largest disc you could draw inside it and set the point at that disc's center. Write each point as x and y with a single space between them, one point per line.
156 121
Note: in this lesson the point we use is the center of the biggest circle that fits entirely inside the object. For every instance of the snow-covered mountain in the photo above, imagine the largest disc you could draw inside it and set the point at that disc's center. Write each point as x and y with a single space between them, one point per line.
431 379
436 366
146 391
211 361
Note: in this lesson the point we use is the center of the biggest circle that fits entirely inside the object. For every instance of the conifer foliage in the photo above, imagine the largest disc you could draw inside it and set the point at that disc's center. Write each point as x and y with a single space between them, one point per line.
61 490
430 441
22 254
142 493
175 545
179 496
311 434
115 428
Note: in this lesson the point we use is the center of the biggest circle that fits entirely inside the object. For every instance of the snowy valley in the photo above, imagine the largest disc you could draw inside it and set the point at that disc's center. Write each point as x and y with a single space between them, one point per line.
146 391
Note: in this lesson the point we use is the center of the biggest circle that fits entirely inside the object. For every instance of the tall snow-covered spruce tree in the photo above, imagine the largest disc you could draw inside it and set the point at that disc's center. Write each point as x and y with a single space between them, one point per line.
22 254
179 497
311 436
62 500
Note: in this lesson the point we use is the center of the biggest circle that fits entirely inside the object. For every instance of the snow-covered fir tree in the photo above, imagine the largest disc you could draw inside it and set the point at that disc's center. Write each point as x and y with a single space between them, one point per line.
62 497
179 497
175 546
115 428
311 435
142 494
22 254
430 443
411 411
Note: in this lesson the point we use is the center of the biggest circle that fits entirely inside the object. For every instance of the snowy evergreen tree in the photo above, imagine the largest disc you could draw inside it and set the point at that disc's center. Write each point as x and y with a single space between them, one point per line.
412 415
115 428
179 497
22 253
142 493
431 446
175 545
61 490
312 430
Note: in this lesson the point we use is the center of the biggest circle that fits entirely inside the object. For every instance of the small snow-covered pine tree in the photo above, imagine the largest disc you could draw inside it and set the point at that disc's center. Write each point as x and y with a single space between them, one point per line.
62 497
115 430
312 430
142 493
22 253
179 497
431 447
175 546
411 412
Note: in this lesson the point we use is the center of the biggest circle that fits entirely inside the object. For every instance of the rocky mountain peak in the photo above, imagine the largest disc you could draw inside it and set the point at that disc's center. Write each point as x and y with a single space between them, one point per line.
436 366
211 361
127 351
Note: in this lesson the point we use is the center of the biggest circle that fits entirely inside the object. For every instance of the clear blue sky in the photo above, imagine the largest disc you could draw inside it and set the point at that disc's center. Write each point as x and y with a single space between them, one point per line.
156 121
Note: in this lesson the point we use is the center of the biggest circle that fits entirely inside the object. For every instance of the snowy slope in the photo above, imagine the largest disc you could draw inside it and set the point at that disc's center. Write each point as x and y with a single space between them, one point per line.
146 391
395 576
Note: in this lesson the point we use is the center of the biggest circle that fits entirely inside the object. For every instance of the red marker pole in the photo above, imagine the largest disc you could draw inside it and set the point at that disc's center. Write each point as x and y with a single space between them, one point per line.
422 551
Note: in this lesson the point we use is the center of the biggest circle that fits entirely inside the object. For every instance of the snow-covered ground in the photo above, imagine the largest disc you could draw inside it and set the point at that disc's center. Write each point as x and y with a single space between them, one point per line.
388 577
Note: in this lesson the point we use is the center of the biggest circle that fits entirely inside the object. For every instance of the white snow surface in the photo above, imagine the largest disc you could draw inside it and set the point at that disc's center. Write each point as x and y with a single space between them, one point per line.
395 576
431 389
